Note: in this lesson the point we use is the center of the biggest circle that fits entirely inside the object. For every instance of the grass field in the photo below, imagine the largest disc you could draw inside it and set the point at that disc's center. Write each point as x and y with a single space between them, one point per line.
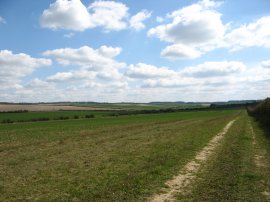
124 158
240 168
129 158
54 115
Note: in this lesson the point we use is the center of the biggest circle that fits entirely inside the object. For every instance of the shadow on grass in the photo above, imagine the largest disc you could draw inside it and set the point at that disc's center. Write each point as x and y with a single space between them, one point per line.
264 124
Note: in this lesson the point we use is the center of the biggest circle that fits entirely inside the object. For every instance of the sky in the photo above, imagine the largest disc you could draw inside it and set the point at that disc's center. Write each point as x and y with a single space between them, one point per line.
134 51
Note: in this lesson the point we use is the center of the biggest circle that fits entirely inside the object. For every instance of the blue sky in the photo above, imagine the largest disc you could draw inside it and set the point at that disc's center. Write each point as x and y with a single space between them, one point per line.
135 51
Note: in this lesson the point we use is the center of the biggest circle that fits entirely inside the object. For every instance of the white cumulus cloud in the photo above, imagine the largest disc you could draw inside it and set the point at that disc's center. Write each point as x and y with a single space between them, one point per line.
142 71
174 82
109 14
74 15
198 28
180 51
249 35
215 69
65 14
60 76
136 21
15 66
109 51
193 24
265 64
197 25
91 65
72 76
87 57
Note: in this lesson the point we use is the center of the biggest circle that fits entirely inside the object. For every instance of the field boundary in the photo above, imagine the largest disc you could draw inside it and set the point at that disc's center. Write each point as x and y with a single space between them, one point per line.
259 158
180 183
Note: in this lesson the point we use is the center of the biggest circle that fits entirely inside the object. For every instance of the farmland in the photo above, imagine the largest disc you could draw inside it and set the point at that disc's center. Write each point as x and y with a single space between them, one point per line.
49 116
10 113
45 107
88 106
131 157
141 106
134 101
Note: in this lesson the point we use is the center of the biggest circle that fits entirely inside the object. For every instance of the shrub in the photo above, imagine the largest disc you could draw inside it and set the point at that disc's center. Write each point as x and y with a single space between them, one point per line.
61 118
88 116
7 121
40 119
43 119
16 111
261 112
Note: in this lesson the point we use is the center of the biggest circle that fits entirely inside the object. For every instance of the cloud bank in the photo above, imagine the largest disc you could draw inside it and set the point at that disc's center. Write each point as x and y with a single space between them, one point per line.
74 15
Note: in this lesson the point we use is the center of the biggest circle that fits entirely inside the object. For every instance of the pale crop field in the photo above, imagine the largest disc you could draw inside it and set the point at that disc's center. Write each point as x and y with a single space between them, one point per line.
46 107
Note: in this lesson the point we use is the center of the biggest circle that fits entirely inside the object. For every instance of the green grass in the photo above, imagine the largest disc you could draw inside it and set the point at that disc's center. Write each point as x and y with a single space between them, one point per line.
36 130
262 148
29 116
104 159
232 175
124 109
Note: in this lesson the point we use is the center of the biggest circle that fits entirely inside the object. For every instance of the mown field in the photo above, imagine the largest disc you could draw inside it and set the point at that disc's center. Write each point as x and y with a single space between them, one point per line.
129 158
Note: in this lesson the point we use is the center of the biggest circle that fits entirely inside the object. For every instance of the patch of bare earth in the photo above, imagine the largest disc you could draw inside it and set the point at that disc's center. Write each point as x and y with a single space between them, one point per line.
259 156
266 194
181 182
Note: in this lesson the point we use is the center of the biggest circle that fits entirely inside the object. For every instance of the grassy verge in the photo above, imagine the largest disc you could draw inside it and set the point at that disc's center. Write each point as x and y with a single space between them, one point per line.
262 149
106 159
231 174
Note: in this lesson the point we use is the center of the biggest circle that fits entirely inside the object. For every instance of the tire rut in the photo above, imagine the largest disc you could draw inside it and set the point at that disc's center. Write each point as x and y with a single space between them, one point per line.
180 183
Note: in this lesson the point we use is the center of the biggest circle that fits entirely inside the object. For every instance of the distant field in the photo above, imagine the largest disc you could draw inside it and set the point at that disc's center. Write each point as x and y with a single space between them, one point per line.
10 113
50 116
43 107
140 106
94 107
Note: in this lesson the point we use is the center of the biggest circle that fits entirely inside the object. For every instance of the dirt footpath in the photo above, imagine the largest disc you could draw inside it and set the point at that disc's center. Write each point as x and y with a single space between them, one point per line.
180 183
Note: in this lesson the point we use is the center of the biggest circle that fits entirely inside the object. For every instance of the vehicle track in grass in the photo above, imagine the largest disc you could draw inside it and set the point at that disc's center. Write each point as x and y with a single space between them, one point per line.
259 158
181 182
115 159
